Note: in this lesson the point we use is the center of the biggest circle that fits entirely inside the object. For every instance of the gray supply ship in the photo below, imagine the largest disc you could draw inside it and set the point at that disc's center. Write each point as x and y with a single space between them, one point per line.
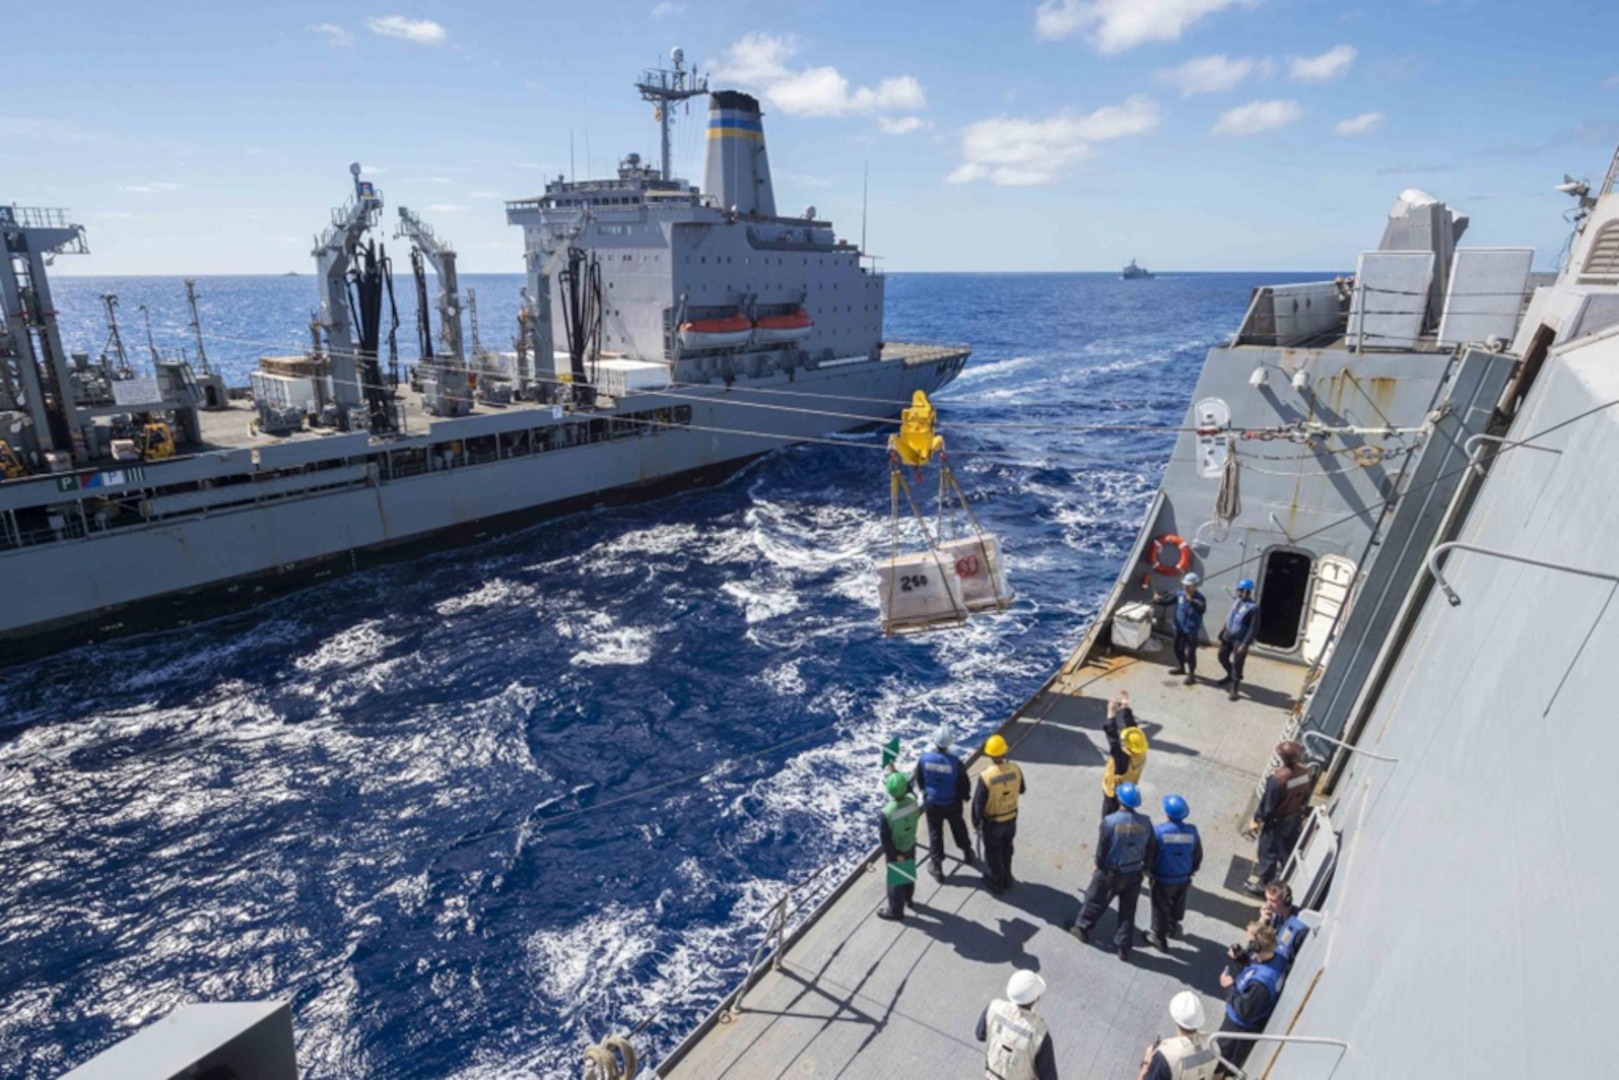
668 334
1133 272
1412 464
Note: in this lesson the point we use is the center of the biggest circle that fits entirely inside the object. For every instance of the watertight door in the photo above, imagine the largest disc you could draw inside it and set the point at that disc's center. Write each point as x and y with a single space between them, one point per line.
1328 593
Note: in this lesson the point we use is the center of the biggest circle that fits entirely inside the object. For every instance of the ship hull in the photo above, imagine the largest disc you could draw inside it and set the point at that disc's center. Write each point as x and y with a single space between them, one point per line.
171 573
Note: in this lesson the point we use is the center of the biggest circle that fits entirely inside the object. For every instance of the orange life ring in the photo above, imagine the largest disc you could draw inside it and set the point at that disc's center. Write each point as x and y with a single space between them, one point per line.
1181 566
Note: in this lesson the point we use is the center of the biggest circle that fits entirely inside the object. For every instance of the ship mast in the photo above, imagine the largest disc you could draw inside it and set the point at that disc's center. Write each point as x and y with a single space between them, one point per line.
665 86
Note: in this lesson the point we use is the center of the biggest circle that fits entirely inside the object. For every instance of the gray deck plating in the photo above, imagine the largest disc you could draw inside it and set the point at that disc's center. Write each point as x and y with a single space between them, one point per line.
857 996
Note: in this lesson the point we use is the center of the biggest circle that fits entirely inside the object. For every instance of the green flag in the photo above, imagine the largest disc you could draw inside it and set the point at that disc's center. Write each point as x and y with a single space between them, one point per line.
891 751
902 872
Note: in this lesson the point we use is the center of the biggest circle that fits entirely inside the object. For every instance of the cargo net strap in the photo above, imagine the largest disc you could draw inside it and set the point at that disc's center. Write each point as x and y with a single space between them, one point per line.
924 591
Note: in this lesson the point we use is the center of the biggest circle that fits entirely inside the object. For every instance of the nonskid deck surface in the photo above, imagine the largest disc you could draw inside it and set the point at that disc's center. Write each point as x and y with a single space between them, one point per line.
857 996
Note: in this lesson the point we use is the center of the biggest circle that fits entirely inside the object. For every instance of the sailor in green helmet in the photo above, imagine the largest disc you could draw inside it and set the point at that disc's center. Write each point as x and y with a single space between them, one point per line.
896 827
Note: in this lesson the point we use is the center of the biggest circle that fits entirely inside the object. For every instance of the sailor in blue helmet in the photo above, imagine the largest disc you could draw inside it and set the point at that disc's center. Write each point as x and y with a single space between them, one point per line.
1238 633
945 790
1189 605
1180 855
1125 847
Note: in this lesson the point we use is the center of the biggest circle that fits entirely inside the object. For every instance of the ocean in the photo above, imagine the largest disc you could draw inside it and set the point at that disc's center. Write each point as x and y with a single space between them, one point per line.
472 811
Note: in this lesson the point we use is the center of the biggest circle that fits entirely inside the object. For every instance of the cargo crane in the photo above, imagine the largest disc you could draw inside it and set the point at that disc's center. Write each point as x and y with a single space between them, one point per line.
35 374
335 252
445 390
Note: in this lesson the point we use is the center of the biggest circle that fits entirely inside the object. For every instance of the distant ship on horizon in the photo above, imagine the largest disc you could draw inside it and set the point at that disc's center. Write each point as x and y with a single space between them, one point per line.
1133 271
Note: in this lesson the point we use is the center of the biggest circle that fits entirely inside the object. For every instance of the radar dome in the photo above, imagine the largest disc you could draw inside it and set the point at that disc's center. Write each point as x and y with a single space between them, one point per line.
678 55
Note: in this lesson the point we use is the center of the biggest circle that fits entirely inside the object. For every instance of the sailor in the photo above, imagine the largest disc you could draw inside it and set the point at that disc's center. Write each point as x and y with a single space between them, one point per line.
1180 855
1017 1042
942 779
1125 847
896 828
1281 916
1189 604
1253 980
1126 750
995 802
1280 815
1238 633
1186 1056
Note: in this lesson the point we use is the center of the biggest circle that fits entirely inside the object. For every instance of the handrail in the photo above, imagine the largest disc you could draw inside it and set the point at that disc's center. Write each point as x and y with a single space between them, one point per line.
778 914
1214 1038
1475 455
1308 735
1455 600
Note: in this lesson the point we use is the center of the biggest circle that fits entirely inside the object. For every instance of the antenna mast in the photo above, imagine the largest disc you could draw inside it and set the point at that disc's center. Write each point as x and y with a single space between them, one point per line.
151 346
115 340
865 186
196 325
664 87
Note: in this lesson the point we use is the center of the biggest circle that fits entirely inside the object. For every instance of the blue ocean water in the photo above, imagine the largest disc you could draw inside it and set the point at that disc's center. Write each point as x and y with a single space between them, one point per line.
471 811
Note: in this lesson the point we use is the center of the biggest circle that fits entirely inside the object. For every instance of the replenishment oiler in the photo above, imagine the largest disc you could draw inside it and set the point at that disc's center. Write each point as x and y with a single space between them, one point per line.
668 333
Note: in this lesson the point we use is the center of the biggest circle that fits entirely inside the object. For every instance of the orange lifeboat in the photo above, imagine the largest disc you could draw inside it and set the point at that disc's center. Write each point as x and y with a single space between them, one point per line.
780 329
718 333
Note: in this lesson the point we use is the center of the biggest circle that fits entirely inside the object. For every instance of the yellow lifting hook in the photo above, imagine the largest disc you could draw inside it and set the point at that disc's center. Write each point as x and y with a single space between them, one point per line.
916 442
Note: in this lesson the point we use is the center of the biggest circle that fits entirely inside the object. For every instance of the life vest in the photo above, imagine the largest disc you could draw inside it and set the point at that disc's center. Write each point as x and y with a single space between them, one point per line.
1268 975
1177 847
1111 779
1012 1037
1295 781
903 816
1189 1057
1239 623
1004 783
1127 848
1289 936
938 777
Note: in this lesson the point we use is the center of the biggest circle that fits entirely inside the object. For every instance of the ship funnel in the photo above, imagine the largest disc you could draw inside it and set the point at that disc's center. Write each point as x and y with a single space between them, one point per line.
738 173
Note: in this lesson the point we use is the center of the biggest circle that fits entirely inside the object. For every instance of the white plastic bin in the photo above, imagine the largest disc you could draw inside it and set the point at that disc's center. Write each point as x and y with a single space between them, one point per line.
915 593
977 564
1132 626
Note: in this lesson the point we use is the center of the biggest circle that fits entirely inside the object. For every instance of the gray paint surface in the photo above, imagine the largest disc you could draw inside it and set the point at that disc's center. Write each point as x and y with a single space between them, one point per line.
1467 931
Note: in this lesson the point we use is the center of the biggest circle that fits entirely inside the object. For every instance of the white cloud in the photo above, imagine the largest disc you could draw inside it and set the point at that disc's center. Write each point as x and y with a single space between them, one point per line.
335 35
666 8
1257 117
421 31
1117 25
117 215
1330 65
446 208
1610 82
485 195
902 125
1364 124
760 61
153 188
1011 151
1206 74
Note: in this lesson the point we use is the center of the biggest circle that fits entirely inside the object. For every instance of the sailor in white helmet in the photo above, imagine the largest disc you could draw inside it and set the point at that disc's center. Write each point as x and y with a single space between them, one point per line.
1018 1045
1186 1056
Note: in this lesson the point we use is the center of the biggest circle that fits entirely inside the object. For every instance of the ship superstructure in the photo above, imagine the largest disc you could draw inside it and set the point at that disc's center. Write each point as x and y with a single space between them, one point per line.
668 333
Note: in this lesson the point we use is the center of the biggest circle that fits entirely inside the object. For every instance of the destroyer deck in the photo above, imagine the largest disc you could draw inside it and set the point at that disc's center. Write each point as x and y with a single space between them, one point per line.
857 996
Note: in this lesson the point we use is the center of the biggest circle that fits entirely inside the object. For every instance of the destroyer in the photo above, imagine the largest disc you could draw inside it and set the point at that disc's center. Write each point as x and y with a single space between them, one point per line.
668 333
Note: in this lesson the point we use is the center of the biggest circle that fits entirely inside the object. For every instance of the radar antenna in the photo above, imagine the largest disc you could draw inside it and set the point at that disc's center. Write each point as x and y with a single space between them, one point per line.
665 86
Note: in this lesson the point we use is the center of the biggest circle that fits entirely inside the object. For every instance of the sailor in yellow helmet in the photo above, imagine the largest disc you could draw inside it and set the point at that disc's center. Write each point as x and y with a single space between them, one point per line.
1126 750
995 802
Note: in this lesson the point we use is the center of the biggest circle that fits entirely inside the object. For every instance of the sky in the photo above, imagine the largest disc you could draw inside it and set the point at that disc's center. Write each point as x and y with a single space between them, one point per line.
1018 135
